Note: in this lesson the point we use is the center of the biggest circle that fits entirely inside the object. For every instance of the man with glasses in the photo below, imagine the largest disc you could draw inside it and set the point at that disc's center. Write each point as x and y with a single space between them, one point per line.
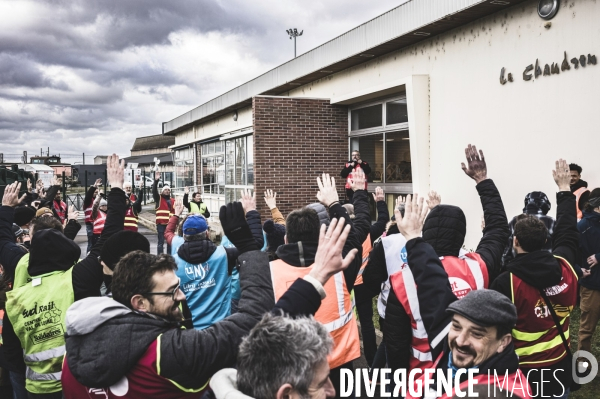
351 166
133 346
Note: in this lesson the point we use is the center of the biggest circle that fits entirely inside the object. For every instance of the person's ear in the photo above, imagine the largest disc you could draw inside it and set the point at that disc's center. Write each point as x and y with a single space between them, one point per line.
504 342
138 302
284 392
516 242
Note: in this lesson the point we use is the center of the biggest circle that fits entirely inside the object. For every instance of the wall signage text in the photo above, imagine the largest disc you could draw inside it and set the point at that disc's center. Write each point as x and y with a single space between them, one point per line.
553 69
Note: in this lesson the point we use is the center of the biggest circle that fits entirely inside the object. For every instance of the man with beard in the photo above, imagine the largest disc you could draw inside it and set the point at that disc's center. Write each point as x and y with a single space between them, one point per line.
133 346
578 188
164 210
473 332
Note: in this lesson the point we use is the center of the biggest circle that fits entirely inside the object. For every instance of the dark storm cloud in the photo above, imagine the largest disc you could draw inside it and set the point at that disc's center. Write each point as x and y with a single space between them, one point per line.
18 71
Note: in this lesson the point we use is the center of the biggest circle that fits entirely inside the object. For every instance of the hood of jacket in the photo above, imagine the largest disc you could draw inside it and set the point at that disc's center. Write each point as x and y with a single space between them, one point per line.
301 254
445 229
591 216
321 212
105 339
51 251
195 252
539 269
224 385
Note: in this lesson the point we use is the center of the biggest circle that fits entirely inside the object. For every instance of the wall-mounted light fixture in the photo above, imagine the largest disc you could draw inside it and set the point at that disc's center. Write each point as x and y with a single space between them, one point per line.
547 9
235 115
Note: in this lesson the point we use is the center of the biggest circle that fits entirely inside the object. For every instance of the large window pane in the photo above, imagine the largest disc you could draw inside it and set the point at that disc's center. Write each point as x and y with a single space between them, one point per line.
240 161
364 118
250 158
230 195
220 170
398 168
371 151
229 161
396 112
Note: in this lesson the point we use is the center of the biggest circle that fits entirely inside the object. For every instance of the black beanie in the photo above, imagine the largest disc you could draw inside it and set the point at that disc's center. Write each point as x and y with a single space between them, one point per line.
275 235
120 245
24 215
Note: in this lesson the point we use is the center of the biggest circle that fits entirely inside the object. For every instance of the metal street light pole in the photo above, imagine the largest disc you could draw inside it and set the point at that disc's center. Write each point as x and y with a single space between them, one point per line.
293 33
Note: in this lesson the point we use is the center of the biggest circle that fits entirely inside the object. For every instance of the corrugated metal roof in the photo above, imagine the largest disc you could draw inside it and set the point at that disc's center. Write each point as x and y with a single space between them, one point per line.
397 28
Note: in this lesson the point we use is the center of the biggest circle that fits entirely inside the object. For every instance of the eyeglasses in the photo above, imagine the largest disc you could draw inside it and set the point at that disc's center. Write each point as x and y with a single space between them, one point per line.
173 294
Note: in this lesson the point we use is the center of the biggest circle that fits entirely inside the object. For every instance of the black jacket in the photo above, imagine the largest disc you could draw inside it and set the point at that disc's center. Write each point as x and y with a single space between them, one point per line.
302 254
589 244
350 165
540 269
444 230
187 357
52 251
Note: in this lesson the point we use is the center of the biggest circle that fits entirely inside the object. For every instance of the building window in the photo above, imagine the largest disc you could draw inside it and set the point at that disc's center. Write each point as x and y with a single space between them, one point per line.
367 117
184 167
213 168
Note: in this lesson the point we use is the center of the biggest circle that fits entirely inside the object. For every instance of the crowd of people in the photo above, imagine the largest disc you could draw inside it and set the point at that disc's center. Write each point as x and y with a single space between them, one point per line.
272 309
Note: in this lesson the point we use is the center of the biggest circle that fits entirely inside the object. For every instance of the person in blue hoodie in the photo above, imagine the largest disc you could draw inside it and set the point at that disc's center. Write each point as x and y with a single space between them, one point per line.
589 245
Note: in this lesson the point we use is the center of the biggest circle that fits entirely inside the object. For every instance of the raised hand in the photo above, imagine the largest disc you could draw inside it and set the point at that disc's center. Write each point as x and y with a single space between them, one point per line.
477 169
11 195
29 185
271 199
411 225
186 190
98 182
115 171
73 213
157 175
328 260
178 207
233 220
358 180
400 203
327 194
248 200
592 261
434 200
378 195
561 175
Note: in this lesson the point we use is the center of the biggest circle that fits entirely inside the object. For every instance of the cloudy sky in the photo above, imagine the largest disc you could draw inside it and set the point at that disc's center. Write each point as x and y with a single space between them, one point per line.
89 76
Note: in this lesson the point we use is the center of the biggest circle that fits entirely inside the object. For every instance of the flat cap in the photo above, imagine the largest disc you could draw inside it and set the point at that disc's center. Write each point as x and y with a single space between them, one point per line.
485 308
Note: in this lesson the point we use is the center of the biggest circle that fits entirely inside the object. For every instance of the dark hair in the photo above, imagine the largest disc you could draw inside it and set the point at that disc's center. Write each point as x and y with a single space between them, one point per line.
302 225
531 233
574 166
193 195
594 194
46 222
502 330
134 273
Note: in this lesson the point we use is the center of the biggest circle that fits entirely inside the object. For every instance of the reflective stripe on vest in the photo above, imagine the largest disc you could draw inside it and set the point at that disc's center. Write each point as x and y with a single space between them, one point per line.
336 311
37 312
465 273
131 220
536 338
578 194
395 259
99 222
163 211
88 214
60 209
366 251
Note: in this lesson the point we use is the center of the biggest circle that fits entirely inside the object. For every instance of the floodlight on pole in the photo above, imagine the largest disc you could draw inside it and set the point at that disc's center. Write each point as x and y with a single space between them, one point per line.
293 33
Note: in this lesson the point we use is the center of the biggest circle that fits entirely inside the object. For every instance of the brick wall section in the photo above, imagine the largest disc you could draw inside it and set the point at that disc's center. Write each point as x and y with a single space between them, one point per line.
295 140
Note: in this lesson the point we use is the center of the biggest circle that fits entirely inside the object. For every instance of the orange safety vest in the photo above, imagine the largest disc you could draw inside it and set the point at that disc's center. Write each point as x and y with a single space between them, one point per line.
60 209
131 219
88 213
537 340
578 194
515 383
465 273
367 248
336 311
164 211
99 222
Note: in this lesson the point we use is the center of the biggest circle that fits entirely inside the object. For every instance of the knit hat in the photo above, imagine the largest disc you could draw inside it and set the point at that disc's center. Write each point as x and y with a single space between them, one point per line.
275 235
321 212
17 230
43 211
194 224
24 214
485 308
103 203
122 243
165 187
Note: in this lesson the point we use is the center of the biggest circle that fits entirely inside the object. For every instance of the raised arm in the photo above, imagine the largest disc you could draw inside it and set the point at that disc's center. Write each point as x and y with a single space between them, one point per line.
89 194
271 201
171 230
347 169
496 231
383 215
155 193
186 202
248 201
137 205
565 240
10 253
